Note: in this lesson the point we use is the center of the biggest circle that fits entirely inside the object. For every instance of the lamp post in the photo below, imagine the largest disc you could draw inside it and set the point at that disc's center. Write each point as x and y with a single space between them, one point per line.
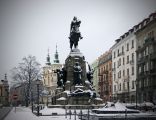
136 83
37 83
32 100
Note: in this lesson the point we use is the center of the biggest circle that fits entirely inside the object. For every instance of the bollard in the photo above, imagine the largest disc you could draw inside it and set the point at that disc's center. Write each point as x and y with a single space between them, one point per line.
88 113
81 113
65 112
125 114
70 113
75 113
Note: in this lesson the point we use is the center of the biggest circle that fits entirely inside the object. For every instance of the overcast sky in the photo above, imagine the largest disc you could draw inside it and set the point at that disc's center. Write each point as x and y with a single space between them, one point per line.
32 26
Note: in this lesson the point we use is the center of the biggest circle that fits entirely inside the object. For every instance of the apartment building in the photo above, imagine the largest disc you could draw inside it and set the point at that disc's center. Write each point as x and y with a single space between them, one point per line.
146 59
105 76
123 67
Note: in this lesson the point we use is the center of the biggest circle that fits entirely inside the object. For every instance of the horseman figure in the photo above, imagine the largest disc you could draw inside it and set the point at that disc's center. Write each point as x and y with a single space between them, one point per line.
75 34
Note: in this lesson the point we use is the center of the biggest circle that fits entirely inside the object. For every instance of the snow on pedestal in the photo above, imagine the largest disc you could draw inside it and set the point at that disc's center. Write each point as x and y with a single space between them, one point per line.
75 52
62 98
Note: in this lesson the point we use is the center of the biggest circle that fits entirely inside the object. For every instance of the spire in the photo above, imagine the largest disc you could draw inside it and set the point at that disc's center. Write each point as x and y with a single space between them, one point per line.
48 59
5 77
56 59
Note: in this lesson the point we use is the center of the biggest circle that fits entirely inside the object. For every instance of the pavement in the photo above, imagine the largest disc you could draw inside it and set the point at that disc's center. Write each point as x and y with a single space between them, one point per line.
4 111
25 113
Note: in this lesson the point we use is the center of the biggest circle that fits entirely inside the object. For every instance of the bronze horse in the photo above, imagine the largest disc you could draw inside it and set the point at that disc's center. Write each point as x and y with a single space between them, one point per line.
74 38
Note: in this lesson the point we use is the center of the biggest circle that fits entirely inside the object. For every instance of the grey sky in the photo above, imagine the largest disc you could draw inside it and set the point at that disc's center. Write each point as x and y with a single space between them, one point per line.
33 26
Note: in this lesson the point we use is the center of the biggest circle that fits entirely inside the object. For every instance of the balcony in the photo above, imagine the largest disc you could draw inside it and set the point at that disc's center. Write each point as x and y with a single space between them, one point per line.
149 40
116 80
153 56
126 78
141 60
113 69
105 72
153 72
132 62
120 54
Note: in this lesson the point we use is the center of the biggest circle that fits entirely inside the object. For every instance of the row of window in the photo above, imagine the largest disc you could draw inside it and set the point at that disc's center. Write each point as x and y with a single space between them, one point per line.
145 67
123 61
122 51
105 68
124 86
123 73
148 50
144 83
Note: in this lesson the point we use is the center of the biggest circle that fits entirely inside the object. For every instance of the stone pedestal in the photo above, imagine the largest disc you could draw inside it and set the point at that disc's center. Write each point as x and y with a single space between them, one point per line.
67 86
59 90
75 56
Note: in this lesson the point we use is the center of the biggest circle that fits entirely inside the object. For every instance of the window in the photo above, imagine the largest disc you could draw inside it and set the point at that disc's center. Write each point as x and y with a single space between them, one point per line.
120 87
114 65
151 65
151 34
119 74
122 49
123 72
106 67
118 52
147 50
133 57
115 88
114 76
119 62
132 70
132 43
123 86
147 66
110 66
127 71
133 84
123 60
139 69
127 46
114 55
127 59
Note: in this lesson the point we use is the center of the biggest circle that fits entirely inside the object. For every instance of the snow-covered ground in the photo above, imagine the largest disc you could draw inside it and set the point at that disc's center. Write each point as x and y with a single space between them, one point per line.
23 113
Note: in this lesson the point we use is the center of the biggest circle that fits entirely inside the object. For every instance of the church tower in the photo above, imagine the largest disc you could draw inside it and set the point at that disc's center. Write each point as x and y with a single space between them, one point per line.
48 59
56 57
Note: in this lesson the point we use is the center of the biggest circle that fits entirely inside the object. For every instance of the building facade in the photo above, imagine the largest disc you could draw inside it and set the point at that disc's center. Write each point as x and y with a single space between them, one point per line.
105 76
95 75
4 92
146 59
20 90
123 67
49 75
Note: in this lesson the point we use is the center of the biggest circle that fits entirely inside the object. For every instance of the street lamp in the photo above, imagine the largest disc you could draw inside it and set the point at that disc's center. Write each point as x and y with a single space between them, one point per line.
136 83
37 83
32 100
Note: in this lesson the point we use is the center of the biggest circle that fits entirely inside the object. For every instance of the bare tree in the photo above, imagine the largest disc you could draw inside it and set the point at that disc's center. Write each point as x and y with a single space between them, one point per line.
26 72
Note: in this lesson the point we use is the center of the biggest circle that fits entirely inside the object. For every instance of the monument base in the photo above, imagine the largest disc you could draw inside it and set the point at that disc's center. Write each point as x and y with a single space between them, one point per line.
76 94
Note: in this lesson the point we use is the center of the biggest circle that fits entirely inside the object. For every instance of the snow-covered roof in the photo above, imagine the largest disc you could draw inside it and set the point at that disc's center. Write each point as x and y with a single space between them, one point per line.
118 107
67 91
149 104
61 98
